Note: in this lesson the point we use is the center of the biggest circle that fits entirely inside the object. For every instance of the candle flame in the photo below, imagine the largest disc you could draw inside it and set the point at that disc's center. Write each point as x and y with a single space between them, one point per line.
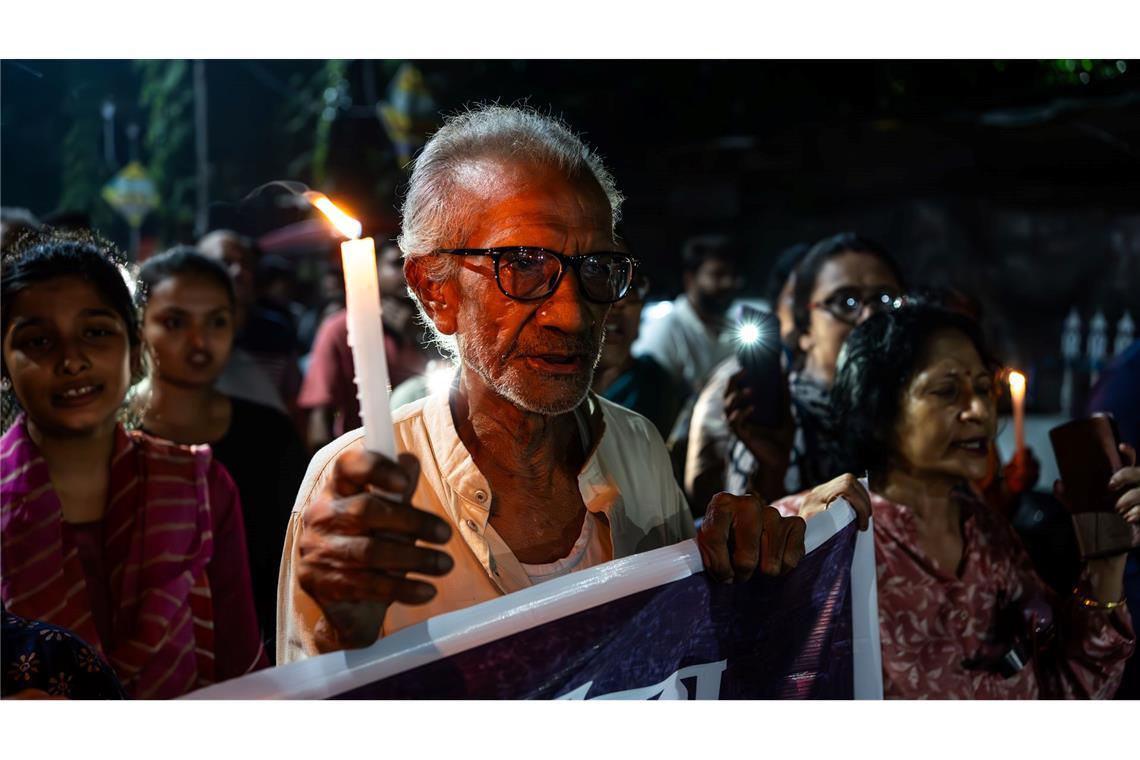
344 223
1016 382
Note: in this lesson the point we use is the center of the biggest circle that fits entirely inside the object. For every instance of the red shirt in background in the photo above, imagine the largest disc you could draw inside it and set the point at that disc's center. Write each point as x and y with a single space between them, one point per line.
330 379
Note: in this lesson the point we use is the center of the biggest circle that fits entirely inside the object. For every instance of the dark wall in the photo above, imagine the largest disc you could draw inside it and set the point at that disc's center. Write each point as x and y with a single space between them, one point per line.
1018 181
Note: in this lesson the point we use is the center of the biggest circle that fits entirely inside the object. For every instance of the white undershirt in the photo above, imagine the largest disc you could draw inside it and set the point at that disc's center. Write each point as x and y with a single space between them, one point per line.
587 551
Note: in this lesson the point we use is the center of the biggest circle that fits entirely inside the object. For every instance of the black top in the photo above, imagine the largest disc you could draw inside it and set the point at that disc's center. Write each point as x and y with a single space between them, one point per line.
264 454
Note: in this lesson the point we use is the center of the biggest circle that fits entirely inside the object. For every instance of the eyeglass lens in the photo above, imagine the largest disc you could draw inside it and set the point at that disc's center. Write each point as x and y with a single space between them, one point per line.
532 273
528 274
852 302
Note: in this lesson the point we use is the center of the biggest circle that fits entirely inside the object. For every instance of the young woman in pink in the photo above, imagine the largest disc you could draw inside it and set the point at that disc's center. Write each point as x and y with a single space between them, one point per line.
134 544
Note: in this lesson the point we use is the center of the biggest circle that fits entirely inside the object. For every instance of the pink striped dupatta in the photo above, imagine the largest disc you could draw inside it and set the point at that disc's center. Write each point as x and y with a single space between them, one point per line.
158 541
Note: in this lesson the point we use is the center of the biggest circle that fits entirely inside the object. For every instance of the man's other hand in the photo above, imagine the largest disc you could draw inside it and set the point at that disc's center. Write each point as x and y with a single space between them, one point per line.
741 533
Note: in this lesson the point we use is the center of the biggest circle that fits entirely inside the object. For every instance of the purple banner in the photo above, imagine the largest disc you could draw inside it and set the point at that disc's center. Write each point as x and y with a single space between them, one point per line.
770 638
651 626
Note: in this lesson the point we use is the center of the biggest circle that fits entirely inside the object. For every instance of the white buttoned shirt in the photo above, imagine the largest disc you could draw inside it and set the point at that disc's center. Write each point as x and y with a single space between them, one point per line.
684 345
626 484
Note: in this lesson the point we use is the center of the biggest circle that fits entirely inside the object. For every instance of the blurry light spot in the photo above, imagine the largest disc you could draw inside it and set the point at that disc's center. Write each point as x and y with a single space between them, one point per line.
439 379
1086 65
1070 65
657 310
1121 66
1085 78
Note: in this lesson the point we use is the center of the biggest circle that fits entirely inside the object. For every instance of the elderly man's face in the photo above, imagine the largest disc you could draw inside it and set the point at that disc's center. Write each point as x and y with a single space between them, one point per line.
539 355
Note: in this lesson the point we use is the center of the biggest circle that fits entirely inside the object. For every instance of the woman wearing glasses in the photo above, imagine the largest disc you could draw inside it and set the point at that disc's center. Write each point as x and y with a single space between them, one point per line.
839 282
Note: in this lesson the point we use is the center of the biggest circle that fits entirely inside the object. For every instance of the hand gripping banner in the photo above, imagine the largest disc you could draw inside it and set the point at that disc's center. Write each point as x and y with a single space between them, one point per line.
651 626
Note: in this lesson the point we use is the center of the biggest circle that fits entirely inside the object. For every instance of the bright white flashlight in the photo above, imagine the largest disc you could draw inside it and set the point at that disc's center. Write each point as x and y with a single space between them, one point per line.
748 334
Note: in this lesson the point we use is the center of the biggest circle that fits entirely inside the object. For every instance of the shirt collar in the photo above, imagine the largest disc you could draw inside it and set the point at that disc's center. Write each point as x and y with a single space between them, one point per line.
897 521
464 477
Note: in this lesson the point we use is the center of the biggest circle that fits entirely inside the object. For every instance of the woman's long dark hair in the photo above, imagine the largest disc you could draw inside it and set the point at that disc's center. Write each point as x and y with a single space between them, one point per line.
875 365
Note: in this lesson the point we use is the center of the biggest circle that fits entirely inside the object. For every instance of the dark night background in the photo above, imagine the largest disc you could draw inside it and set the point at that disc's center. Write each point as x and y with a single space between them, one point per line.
1018 181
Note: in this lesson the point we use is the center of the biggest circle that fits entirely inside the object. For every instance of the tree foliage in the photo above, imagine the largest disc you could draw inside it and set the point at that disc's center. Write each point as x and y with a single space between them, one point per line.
83 170
166 95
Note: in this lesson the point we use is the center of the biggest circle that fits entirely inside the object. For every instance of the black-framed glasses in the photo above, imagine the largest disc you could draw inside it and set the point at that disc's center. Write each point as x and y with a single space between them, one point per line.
530 273
846 304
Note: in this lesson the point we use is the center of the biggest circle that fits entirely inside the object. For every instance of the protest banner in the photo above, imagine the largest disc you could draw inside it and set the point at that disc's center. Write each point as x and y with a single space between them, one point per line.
650 626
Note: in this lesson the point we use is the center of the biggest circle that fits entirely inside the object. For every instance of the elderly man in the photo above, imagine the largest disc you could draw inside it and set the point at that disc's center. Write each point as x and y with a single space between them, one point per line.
519 474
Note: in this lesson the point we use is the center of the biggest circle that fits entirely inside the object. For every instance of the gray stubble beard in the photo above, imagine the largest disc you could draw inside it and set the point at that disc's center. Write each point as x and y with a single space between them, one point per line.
511 388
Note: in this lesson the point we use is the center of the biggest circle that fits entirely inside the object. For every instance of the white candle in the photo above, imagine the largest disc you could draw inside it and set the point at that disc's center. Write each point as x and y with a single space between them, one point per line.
366 337
1017 392
365 330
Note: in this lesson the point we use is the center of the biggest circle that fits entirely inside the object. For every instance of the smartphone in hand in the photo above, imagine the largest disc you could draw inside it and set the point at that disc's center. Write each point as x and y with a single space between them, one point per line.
1088 453
758 350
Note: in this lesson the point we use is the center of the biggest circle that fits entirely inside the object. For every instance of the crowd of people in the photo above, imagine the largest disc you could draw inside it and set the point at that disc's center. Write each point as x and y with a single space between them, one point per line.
186 496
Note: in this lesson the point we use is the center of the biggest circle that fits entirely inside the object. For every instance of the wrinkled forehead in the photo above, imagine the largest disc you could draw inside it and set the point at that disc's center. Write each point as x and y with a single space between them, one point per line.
513 196
225 247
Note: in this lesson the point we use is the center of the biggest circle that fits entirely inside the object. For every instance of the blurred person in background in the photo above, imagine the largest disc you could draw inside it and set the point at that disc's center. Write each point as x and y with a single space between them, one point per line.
635 382
328 392
330 300
716 459
779 292
695 336
188 316
1116 392
270 333
244 375
836 284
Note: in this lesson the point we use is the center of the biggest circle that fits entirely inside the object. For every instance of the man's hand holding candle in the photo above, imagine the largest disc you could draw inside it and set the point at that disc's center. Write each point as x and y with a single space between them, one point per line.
359 543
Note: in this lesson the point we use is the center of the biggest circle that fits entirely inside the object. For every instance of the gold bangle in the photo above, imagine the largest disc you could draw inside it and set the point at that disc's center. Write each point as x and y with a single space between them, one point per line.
1094 604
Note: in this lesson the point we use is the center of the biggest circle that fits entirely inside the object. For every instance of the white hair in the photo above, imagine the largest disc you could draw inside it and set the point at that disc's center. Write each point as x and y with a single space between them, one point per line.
438 210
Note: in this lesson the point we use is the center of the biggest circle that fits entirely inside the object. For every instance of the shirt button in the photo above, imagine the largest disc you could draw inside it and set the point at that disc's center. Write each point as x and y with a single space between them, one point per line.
480 496
472 526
